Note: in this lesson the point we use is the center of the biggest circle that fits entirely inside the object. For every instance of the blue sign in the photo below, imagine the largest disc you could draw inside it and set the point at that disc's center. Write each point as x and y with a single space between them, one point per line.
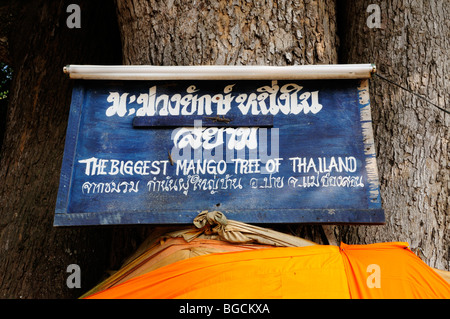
160 152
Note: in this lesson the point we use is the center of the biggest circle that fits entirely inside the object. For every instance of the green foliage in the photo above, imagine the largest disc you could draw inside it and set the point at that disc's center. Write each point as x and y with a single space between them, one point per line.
5 80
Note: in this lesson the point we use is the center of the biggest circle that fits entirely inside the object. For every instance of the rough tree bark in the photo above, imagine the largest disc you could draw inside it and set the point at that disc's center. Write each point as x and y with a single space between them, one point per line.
227 32
33 255
411 136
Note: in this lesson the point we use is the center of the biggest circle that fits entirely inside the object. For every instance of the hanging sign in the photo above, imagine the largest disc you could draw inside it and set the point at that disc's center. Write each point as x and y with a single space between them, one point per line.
260 151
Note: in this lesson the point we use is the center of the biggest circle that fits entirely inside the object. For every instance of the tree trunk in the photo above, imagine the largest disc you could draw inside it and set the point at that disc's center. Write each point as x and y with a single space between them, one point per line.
227 33
34 256
411 136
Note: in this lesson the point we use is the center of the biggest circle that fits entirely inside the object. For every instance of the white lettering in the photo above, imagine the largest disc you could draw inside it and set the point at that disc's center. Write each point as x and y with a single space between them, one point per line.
209 138
95 166
323 164
196 309
267 100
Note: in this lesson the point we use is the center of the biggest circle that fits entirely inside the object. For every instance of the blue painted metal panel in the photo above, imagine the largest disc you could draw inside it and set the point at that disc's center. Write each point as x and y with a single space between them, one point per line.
146 152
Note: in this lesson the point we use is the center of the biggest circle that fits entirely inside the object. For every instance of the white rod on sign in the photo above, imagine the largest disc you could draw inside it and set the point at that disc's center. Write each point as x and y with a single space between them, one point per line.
220 72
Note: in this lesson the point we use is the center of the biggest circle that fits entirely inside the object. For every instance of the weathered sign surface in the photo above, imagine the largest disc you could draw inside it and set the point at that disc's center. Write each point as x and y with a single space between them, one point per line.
160 152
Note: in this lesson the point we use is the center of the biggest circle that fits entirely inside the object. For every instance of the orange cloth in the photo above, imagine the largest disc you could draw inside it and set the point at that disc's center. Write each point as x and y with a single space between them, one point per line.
320 271
168 252
390 271
274 273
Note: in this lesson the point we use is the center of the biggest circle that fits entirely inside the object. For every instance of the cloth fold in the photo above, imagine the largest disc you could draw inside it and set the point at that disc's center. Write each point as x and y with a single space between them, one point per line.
215 225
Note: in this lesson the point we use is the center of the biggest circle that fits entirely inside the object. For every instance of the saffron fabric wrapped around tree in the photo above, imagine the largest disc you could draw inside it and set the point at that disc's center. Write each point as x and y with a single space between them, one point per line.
384 271
389 271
